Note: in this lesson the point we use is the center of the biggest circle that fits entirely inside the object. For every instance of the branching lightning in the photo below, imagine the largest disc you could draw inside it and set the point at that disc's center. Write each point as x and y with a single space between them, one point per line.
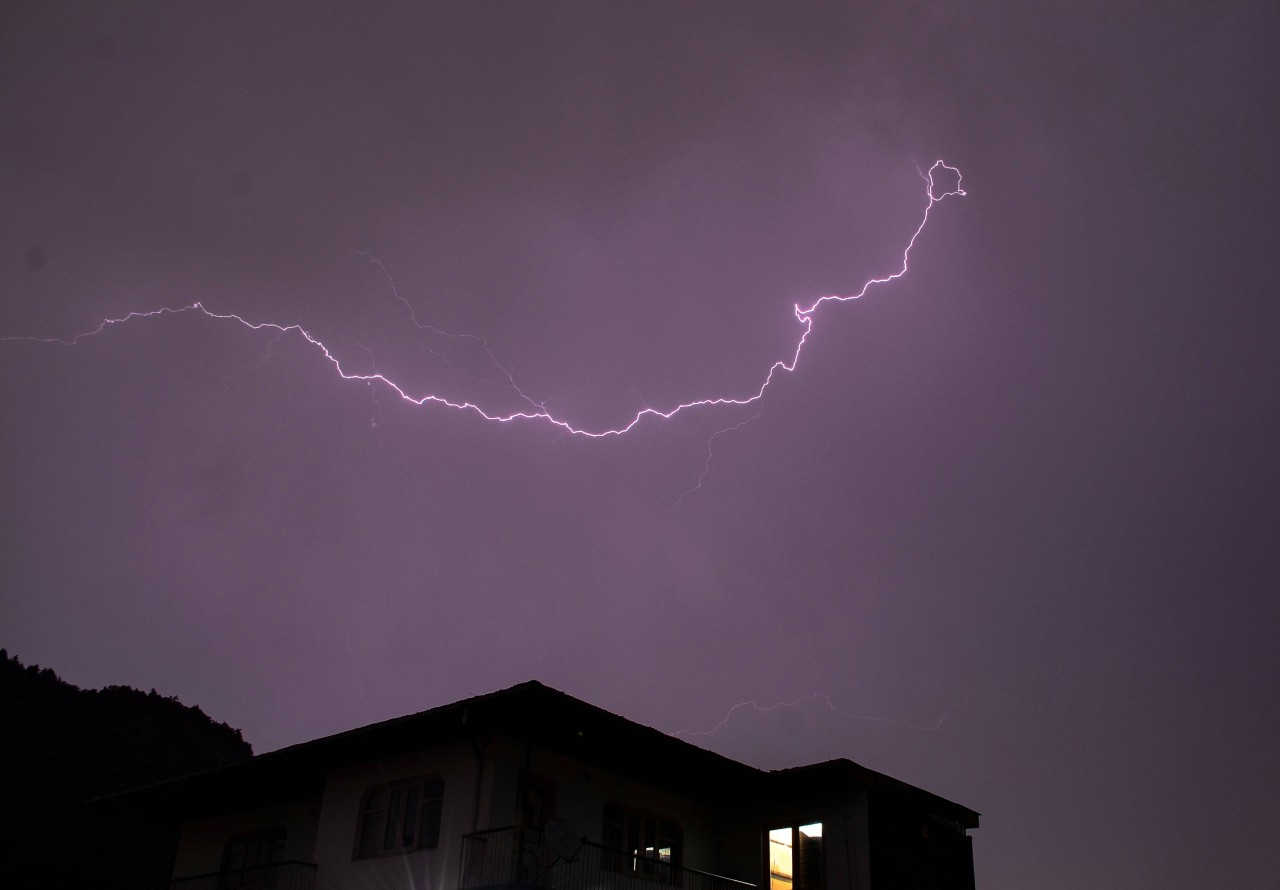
536 411
825 700
706 468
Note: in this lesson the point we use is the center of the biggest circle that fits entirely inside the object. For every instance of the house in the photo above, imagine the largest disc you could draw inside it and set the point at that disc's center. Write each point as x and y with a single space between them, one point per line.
531 788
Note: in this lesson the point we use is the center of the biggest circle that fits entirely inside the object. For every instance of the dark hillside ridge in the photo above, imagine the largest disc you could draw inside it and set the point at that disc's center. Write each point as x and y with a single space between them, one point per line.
62 746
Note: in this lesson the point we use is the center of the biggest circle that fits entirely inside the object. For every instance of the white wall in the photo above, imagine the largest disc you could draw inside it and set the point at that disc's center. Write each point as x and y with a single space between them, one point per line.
422 869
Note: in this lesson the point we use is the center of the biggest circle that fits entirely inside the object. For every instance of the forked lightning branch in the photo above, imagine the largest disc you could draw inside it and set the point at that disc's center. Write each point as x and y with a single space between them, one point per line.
804 316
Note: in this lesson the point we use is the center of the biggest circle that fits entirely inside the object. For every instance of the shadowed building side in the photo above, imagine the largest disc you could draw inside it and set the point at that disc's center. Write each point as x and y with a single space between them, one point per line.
531 788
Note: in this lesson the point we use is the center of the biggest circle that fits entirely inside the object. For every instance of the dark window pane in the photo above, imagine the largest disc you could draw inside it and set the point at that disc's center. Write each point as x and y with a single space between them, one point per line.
429 826
611 838
410 818
809 859
370 831
649 844
640 844
235 855
392 839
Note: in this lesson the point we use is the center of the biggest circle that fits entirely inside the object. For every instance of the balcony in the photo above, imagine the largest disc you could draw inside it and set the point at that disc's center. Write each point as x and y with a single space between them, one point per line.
281 876
514 857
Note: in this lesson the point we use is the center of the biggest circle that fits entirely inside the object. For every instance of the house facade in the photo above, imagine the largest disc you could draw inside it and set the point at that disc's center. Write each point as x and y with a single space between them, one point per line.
530 788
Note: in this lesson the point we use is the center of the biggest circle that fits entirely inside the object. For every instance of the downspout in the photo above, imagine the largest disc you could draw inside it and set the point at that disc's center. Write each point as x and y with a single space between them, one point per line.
478 749
848 858
522 792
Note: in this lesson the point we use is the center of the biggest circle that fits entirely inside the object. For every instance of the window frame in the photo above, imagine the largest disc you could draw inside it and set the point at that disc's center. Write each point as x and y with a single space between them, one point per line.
806 874
637 831
385 812
261 842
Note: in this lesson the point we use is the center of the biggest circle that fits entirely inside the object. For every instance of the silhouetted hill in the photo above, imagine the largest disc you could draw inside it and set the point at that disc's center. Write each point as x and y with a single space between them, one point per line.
62 746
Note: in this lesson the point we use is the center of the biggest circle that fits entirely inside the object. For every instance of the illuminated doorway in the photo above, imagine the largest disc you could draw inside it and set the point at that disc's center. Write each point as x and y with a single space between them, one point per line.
795 858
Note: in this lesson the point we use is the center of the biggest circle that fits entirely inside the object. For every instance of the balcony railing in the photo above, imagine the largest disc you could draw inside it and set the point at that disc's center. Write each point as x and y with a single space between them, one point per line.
502 857
281 876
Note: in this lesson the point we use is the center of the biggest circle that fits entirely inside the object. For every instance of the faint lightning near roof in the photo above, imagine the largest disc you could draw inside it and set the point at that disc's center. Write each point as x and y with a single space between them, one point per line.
536 412
825 700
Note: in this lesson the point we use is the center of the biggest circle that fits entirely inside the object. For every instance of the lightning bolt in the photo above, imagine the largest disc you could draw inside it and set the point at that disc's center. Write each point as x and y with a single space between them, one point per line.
706 468
825 700
537 411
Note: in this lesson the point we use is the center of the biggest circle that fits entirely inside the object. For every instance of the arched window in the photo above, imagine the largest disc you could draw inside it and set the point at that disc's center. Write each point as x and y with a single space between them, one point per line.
247 857
400 816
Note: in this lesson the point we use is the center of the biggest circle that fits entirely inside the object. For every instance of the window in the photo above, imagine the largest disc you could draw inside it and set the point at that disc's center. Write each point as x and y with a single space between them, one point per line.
642 844
247 858
795 858
400 816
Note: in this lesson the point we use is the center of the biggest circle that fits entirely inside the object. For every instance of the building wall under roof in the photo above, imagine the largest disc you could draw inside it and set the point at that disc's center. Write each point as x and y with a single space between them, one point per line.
204 841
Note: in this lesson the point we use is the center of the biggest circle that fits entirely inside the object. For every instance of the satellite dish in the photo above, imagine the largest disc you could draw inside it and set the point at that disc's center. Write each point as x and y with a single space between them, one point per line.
562 838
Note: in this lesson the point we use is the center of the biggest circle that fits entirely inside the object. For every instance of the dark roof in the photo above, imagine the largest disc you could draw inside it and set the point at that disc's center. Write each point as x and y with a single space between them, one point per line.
832 776
530 712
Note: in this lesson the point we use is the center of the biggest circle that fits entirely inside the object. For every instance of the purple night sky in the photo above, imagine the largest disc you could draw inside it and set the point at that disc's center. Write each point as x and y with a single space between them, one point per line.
1009 532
